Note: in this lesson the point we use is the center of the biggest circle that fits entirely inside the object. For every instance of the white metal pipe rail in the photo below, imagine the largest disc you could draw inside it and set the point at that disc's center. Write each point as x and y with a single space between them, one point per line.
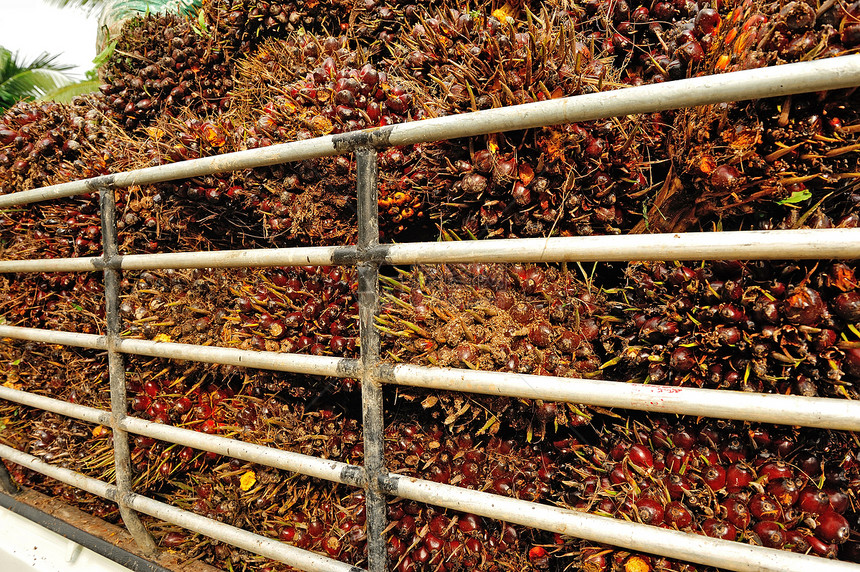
802 244
834 73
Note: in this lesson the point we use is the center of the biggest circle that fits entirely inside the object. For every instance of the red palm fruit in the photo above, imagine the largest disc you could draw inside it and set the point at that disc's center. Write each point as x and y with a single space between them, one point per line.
469 523
796 541
619 474
538 557
683 359
725 177
852 361
141 402
733 450
683 438
719 529
738 477
439 525
838 500
823 549
805 307
705 454
771 533
764 507
395 548
593 560
151 388
333 546
707 21
775 470
173 539
541 334
785 491
640 456
813 501
433 543
406 565
715 477
677 460
677 515
832 527
649 511
847 306
677 485
421 555
619 450
737 513
607 505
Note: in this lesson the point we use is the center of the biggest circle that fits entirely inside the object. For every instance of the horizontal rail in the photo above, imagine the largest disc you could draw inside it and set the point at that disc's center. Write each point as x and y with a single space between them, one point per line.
734 245
326 469
83 264
293 363
75 479
820 75
65 408
89 341
259 258
804 244
724 554
821 412
280 551
270 548
334 471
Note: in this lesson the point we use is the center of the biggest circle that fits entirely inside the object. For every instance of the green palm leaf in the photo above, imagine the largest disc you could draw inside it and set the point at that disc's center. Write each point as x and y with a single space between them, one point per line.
66 93
28 81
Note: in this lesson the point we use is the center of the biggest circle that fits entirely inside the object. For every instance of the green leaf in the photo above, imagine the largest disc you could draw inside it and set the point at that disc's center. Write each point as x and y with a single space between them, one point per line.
796 197
17 362
20 81
105 54
77 307
66 93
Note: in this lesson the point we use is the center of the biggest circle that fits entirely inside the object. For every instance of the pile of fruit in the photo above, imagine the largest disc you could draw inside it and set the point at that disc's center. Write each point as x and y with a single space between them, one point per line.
246 74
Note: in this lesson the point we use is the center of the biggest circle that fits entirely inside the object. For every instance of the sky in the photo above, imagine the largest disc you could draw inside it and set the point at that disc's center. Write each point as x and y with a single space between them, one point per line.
31 27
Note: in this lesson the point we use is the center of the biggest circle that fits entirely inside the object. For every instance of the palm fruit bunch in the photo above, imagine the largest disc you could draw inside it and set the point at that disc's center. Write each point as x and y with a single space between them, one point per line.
765 485
522 318
41 144
239 26
296 310
67 302
45 144
581 178
757 326
755 162
162 64
72 444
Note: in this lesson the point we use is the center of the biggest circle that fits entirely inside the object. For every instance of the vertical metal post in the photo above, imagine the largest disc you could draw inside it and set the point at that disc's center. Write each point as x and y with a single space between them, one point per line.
116 369
371 388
